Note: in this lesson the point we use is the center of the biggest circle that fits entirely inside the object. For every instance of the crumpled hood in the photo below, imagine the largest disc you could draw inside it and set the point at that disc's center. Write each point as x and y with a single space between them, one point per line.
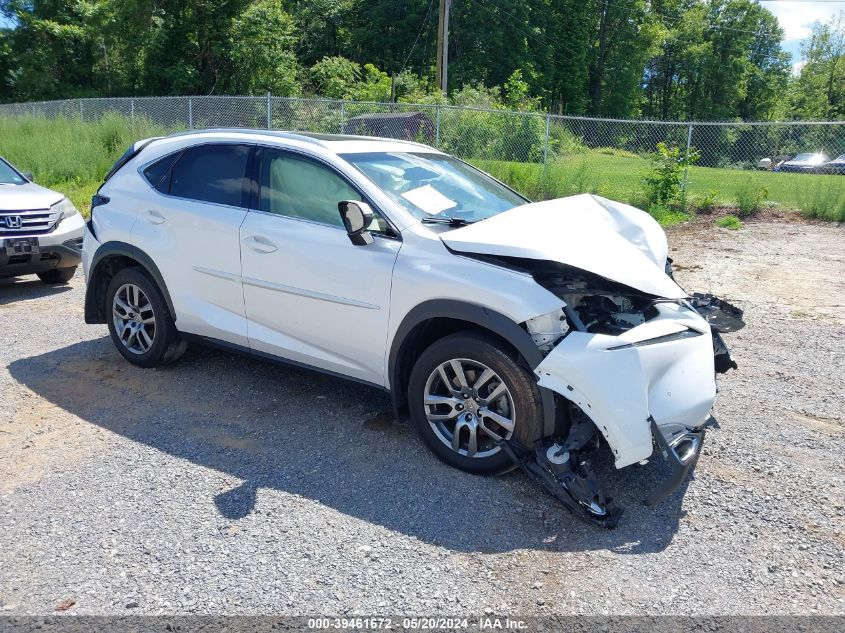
610 239
27 197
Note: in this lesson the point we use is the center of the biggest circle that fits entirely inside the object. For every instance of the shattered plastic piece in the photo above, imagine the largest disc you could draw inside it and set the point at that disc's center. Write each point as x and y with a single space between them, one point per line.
569 481
721 315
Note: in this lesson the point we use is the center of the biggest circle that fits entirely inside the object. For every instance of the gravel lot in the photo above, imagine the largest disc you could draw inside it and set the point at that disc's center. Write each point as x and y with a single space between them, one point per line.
231 485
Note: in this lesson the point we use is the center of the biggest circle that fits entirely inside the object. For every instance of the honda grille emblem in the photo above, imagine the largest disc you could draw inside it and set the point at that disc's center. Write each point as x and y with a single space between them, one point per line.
13 221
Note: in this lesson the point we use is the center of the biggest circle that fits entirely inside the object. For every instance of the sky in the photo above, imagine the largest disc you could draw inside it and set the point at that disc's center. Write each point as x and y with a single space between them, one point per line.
796 18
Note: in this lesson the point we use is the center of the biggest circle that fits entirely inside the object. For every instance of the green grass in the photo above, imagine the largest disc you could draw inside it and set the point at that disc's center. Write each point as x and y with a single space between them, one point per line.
69 155
729 222
72 156
620 178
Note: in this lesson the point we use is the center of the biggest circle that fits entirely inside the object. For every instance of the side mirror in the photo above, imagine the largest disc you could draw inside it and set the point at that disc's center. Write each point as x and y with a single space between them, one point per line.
356 218
28 176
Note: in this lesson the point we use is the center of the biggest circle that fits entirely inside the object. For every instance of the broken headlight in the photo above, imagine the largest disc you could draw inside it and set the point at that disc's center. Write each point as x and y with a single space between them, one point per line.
595 304
547 329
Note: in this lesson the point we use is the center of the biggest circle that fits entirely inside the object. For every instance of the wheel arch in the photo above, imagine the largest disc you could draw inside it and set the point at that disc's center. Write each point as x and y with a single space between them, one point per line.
432 320
110 258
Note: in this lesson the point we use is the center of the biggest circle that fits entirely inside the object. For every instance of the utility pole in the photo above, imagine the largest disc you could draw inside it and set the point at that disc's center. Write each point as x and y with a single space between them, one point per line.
443 46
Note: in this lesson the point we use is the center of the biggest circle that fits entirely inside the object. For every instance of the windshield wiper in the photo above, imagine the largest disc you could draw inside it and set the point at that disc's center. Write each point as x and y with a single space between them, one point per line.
446 220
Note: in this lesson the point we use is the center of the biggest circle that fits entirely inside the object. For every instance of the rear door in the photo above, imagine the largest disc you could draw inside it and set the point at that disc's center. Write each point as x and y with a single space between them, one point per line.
189 225
311 295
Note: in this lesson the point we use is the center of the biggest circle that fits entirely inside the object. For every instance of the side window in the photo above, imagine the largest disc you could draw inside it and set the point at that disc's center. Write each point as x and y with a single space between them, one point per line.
211 173
301 188
158 173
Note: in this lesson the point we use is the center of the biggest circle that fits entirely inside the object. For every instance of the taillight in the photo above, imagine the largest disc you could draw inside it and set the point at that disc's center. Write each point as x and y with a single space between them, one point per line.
98 200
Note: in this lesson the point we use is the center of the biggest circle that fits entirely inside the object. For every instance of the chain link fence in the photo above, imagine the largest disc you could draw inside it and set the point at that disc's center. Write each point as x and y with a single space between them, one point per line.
544 155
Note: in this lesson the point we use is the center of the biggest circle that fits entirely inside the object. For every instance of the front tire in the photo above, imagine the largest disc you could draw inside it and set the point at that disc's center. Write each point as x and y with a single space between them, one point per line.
57 275
139 321
469 390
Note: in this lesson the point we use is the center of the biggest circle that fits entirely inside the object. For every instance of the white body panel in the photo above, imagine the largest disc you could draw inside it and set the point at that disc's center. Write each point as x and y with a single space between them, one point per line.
195 246
619 389
610 239
27 197
313 297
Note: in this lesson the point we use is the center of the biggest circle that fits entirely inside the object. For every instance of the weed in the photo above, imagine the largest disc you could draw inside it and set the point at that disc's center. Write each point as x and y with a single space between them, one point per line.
750 199
704 203
824 203
729 222
663 184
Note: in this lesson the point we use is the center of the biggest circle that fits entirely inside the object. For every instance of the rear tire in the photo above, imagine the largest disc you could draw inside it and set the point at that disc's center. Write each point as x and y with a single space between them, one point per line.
495 398
57 275
139 321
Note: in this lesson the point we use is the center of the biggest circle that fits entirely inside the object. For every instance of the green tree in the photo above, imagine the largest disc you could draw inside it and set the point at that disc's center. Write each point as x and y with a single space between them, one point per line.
262 44
819 90
333 77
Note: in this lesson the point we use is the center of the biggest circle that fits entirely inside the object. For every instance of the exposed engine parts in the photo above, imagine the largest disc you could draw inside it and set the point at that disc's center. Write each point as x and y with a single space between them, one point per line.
546 330
563 469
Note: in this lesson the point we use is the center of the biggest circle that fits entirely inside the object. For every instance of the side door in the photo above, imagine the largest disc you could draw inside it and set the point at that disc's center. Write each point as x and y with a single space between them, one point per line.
190 227
312 296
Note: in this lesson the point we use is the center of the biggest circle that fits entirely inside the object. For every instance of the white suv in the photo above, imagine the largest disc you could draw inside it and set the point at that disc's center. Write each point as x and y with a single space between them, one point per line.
510 332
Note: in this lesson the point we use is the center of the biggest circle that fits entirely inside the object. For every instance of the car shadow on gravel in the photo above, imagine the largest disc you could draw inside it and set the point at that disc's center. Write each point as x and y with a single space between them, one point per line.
14 289
286 429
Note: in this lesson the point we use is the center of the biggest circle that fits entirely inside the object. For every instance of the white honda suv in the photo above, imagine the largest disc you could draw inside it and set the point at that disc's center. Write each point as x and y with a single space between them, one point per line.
510 333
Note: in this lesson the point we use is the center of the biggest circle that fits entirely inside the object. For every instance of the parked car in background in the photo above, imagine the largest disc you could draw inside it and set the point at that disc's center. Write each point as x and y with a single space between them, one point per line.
773 163
512 333
40 229
835 166
806 163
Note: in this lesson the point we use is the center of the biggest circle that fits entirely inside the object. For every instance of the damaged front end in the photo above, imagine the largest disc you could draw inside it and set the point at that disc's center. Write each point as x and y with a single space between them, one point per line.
630 355
638 369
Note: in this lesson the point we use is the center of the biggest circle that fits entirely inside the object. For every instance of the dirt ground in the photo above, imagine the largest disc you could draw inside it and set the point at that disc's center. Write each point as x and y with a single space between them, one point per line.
369 522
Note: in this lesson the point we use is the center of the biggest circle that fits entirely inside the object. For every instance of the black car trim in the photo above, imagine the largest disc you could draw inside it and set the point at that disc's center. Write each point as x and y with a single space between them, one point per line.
483 317
93 312
281 360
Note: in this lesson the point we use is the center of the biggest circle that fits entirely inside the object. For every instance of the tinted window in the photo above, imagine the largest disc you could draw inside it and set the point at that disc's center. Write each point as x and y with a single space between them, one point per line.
302 188
211 173
158 174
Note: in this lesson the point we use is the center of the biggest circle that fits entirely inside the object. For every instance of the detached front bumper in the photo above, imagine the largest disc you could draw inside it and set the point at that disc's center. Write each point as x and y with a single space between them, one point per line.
681 451
651 385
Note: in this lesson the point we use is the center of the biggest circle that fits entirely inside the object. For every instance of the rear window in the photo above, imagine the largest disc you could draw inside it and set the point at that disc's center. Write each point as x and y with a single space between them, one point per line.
158 173
211 173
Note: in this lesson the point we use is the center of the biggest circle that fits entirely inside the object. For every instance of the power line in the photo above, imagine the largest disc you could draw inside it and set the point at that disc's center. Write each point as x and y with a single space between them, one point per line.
422 28
483 5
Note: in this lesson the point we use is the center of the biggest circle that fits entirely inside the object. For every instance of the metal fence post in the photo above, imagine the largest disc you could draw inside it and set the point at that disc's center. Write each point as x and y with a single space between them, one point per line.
686 165
342 117
437 126
81 116
190 113
546 145
132 112
269 111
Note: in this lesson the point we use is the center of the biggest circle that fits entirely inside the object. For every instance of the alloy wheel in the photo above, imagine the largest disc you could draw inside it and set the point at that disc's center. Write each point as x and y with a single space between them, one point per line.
469 407
134 319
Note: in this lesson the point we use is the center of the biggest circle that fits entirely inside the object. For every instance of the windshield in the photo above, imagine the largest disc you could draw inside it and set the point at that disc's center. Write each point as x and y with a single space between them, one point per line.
810 158
9 176
435 185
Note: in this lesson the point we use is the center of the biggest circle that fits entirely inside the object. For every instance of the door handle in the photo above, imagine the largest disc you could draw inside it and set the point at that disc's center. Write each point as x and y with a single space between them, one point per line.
260 244
154 217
